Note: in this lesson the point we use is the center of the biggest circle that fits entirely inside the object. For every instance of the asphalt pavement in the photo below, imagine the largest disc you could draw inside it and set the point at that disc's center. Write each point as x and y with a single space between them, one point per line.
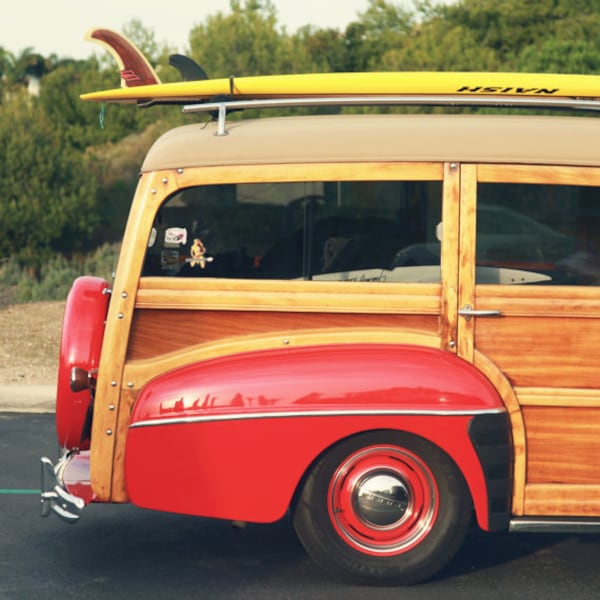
25 398
123 552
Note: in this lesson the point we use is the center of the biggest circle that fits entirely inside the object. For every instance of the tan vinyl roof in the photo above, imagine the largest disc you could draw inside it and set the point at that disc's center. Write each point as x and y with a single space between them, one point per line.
348 138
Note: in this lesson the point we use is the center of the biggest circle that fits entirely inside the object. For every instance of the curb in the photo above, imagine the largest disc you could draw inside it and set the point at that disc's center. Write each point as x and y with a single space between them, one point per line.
26 398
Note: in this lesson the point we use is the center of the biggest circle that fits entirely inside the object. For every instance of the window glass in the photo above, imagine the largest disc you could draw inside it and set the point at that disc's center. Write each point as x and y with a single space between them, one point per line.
538 234
338 231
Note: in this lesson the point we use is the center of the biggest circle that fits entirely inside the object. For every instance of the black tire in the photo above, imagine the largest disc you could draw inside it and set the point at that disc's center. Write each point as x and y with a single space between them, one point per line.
383 508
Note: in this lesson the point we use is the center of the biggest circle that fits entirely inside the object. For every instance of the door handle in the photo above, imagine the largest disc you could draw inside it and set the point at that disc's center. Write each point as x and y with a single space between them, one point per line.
468 311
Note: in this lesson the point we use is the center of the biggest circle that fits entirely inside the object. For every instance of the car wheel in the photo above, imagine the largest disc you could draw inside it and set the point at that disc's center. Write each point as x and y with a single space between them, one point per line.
383 507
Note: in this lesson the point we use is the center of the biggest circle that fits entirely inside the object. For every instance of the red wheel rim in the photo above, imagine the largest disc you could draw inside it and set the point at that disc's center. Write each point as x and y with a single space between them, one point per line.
383 500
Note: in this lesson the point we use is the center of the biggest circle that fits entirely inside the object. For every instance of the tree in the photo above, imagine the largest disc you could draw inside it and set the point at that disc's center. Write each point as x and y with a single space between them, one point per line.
561 56
315 50
489 35
47 198
144 39
245 42
80 121
381 28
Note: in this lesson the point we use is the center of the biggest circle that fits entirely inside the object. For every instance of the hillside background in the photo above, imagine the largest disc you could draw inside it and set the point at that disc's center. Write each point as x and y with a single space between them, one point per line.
66 181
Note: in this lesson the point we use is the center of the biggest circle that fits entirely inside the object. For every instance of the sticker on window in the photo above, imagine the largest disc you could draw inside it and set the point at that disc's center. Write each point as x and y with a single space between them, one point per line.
176 235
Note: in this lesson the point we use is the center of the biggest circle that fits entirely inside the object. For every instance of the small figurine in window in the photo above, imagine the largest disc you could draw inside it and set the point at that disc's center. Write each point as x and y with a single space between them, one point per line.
198 251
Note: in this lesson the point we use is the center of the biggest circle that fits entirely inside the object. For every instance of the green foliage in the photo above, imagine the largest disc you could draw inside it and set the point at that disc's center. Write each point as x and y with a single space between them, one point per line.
115 167
561 56
317 51
480 35
245 42
47 200
381 28
56 274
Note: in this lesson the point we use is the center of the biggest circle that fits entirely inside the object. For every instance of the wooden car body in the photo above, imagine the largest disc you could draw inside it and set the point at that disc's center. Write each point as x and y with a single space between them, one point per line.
219 388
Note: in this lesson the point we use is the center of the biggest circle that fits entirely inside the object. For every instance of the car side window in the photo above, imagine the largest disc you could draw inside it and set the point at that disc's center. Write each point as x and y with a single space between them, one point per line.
538 234
334 231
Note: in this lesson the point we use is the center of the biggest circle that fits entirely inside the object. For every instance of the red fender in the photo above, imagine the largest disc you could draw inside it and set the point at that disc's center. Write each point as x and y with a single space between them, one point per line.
232 437
80 345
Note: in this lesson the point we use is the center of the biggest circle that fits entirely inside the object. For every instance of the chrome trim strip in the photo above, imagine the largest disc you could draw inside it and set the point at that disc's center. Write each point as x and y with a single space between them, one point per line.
398 99
555 525
315 413
457 99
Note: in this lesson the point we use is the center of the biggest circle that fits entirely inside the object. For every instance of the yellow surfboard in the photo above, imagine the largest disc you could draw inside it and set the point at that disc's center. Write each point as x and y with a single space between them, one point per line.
140 83
367 84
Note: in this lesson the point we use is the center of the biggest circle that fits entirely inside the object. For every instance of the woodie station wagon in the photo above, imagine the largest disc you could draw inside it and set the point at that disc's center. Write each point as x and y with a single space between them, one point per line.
384 325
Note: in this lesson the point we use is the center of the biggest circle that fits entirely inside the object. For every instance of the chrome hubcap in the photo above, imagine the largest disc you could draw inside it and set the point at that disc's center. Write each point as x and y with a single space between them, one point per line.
381 499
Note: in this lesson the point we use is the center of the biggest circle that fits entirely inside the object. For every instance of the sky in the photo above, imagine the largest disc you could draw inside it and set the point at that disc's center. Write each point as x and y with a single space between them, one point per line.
58 26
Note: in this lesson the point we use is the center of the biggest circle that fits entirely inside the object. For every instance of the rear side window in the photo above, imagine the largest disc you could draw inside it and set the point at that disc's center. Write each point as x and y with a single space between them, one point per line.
538 234
337 231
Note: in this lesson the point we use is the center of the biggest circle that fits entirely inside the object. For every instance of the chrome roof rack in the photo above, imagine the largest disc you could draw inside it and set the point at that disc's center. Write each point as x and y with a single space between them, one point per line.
221 107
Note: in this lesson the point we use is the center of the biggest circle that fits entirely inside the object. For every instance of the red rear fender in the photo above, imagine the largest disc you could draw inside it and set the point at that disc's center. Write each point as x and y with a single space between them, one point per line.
300 380
232 437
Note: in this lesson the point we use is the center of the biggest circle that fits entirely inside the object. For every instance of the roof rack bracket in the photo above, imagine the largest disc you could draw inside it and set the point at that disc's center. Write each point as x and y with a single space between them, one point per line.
221 119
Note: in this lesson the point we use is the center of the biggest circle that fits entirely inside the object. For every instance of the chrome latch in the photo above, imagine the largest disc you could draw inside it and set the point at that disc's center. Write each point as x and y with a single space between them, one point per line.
467 311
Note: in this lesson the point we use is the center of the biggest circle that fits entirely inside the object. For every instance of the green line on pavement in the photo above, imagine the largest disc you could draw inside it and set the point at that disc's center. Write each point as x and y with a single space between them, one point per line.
19 492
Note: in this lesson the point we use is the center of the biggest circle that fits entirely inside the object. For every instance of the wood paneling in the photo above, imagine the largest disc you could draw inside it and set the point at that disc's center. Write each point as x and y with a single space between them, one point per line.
540 301
156 332
119 485
449 263
566 500
535 351
545 342
466 264
550 174
291 296
416 171
563 444
545 336
559 397
138 372
107 409
229 309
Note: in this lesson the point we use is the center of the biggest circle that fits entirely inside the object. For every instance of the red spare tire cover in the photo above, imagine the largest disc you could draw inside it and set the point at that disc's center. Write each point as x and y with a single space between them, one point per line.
80 345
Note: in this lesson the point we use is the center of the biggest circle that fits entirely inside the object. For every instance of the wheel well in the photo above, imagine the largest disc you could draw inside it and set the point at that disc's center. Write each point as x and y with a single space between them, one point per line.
421 439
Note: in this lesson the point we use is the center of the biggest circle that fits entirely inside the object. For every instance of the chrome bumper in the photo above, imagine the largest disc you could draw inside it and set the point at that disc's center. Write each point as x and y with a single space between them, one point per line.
55 497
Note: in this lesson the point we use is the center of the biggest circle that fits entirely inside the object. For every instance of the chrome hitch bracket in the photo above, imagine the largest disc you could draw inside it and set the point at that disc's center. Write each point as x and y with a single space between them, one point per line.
54 497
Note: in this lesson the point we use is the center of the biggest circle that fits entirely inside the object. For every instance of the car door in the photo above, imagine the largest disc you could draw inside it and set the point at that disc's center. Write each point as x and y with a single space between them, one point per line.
529 306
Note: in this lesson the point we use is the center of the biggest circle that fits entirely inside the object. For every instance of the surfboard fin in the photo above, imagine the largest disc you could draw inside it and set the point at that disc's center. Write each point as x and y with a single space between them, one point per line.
134 68
189 69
